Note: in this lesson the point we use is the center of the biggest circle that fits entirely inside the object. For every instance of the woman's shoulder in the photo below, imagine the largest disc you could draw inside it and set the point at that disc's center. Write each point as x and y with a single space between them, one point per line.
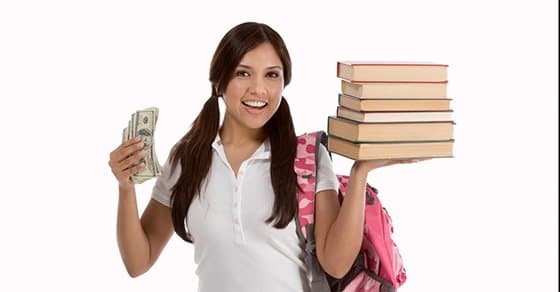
171 170
323 152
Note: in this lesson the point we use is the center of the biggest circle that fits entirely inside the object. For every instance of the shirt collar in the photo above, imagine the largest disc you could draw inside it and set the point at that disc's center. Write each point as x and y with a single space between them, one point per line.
263 152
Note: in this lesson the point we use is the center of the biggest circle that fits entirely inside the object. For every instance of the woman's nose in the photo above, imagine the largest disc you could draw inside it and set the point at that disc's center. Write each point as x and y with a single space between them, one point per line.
258 86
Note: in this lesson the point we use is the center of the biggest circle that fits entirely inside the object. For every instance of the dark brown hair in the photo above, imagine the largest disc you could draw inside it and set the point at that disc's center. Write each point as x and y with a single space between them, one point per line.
194 150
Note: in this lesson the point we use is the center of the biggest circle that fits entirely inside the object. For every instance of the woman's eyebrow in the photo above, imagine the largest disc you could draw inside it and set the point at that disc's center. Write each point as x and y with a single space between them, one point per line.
268 68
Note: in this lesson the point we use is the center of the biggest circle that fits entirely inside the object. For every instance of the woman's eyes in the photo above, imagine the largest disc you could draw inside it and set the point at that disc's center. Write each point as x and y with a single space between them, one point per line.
242 73
273 75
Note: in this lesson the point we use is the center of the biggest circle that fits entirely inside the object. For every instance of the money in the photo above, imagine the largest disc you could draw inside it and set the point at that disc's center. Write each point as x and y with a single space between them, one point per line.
143 123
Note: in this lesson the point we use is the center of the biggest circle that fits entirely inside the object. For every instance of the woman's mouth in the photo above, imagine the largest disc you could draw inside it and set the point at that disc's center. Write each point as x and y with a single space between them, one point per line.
254 104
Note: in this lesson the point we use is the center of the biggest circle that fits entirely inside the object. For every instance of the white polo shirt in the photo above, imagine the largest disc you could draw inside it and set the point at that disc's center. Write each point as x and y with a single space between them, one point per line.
235 249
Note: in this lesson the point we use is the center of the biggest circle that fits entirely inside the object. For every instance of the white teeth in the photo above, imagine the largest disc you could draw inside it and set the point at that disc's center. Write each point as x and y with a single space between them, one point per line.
253 103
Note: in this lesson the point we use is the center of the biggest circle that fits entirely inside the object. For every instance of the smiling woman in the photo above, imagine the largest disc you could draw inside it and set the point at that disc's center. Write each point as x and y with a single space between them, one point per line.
254 93
79 68
242 166
231 189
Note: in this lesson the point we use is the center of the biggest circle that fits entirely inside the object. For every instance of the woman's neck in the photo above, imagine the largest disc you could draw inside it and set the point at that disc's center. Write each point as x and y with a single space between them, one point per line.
238 135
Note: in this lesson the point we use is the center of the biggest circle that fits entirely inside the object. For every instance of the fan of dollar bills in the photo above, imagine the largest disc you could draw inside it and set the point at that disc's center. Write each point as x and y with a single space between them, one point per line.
143 123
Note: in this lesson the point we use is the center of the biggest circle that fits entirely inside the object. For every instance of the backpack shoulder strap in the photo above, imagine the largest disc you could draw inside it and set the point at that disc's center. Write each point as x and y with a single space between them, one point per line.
305 168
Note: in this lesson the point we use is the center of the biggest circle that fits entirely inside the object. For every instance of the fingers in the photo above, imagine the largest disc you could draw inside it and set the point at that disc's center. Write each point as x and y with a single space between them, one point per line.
123 160
128 143
414 160
387 162
127 173
130 160
402 161
126 149
370 164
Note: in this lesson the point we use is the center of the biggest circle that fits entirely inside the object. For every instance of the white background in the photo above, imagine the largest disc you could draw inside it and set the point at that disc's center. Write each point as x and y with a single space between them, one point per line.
72 72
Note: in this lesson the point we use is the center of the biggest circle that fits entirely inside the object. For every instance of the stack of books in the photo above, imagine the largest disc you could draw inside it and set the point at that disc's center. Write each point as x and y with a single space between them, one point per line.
392 110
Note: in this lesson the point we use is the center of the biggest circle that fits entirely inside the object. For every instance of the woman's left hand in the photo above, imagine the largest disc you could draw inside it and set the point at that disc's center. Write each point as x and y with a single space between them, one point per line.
369 165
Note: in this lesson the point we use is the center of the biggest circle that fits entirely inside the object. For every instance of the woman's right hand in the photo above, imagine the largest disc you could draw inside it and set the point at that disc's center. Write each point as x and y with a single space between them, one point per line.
123 161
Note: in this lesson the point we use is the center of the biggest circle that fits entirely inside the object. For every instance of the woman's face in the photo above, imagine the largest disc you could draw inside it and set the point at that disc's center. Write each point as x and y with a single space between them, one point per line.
254 93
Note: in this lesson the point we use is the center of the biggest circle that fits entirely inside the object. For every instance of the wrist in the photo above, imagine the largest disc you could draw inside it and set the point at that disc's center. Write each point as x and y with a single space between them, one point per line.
358 172
126 187
358 167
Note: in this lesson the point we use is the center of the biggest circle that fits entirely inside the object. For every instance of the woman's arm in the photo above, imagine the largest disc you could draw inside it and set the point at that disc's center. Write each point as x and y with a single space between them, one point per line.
339 230
140 241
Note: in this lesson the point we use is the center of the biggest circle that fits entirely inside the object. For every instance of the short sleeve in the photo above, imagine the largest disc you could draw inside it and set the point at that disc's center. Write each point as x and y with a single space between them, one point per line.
326 178
162 188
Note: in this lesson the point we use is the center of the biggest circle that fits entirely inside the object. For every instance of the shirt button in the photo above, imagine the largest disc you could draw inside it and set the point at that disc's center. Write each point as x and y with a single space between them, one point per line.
236 189
235 204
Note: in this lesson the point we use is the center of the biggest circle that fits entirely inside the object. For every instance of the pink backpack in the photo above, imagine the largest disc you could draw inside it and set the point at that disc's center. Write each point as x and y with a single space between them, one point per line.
378 267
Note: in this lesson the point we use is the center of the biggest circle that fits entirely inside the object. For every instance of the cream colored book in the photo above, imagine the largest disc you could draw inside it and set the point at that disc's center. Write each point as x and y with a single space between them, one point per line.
376 104
394 117
390 150
389 132
395 90
364 71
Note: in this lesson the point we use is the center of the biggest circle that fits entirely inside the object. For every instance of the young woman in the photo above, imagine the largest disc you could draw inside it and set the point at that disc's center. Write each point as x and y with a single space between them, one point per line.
231 188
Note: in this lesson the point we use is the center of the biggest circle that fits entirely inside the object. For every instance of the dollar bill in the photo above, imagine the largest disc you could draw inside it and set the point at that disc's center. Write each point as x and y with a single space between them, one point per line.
143 123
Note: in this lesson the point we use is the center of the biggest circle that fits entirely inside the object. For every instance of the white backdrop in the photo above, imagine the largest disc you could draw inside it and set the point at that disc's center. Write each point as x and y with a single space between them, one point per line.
71 73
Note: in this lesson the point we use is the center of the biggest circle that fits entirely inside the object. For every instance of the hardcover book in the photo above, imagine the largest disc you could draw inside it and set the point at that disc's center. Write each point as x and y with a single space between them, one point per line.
361 71
396 90
394 116
390 150
389 132
378 104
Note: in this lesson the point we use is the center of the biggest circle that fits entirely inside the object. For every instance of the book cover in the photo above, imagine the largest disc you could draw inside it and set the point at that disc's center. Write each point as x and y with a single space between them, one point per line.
395 90
389 104
363 71
389 132
394 116
390 150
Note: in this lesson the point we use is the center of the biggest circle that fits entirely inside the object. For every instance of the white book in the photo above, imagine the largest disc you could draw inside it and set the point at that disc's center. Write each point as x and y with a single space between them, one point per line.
394 117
